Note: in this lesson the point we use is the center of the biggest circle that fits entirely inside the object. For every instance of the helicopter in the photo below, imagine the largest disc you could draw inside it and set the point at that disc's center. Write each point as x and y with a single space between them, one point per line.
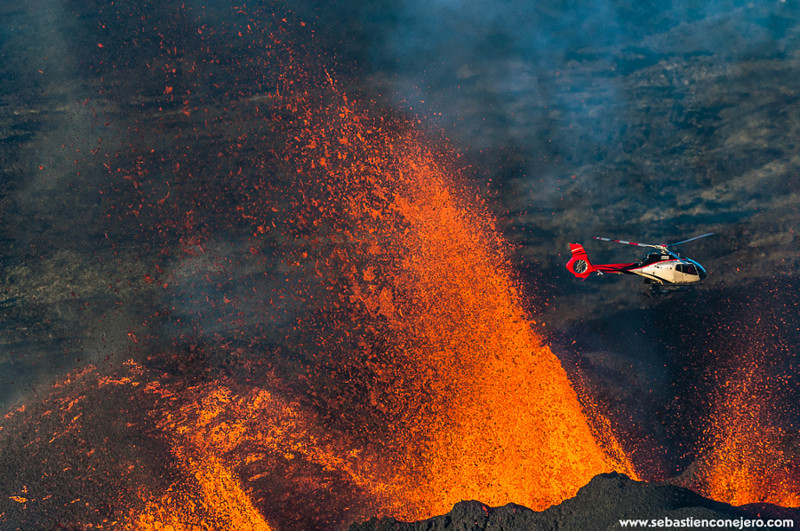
663 269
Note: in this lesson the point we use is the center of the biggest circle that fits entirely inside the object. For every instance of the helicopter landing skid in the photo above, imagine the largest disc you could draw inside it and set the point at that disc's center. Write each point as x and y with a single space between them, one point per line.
654 289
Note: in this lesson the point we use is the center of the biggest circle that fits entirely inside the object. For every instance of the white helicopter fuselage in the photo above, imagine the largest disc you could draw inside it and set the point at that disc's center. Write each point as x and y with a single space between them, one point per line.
669 270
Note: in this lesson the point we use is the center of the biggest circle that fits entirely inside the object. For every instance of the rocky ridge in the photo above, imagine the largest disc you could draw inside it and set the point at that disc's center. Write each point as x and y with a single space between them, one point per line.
603 503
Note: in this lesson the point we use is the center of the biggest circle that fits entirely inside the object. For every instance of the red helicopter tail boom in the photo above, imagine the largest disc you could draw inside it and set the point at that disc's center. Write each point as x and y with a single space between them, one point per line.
580 266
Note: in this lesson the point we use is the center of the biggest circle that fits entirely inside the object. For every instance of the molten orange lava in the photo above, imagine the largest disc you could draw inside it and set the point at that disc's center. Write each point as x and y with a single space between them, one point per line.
214 500
750 457
480 407
92 458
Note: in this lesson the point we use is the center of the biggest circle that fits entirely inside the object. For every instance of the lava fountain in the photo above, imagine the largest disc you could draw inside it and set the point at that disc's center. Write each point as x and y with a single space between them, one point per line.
749 450
750 458
430 323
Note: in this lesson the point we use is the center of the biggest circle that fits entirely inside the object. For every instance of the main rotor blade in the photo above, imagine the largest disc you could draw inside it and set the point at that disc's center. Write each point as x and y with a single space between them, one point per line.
626 242
691 239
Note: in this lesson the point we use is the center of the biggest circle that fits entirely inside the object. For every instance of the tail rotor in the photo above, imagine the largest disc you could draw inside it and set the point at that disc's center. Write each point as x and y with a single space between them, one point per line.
579 265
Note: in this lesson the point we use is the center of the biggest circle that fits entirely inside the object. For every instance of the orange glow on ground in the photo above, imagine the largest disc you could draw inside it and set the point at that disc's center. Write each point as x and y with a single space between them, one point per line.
287 462
94 459
208 494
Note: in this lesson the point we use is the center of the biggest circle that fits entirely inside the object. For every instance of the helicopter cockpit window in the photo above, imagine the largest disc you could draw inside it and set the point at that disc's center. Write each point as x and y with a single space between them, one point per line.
688 269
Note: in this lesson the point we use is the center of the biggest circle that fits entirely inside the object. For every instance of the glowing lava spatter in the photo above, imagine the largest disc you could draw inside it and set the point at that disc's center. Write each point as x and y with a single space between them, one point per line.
750 452
94 459
430 324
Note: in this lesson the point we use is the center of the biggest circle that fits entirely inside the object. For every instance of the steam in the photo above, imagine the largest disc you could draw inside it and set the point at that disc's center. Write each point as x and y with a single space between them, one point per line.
566 88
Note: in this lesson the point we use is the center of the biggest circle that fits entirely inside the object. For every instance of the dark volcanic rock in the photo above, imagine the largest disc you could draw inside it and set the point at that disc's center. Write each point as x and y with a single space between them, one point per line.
601 504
